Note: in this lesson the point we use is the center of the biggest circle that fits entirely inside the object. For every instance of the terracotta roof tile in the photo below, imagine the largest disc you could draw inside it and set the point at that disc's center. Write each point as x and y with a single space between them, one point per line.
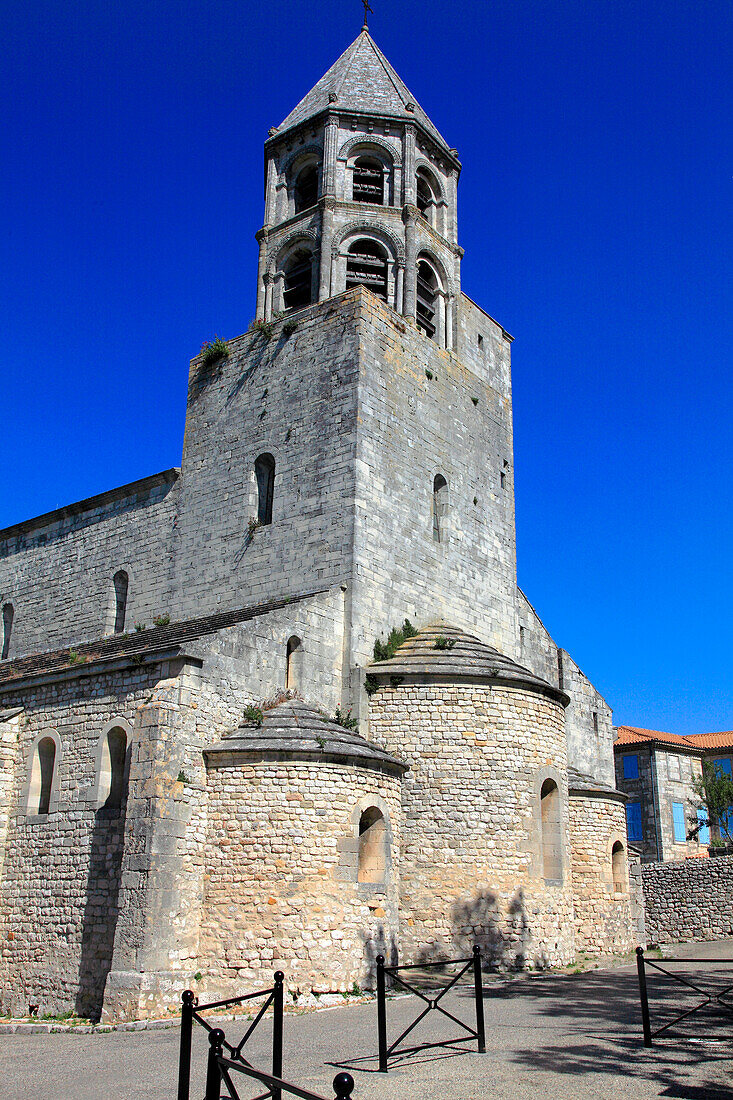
634 735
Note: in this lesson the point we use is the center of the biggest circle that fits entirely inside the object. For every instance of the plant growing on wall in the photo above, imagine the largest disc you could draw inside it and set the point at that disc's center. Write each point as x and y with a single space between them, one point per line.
713 790
213 351
384 650
442 642
162 620
253 715
345 719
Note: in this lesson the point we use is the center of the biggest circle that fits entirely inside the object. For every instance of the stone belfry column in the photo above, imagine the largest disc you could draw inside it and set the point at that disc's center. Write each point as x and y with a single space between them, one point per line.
261 236
408 156
408 216
328 190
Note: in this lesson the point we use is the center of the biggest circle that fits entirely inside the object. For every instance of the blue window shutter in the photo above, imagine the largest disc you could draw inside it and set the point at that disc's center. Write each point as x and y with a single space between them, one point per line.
633 821
678 822
704 834
631 766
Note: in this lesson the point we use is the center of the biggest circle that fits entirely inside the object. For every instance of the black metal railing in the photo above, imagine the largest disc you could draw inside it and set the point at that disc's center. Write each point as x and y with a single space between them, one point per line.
191 1010
433 1004
220 1069
715 998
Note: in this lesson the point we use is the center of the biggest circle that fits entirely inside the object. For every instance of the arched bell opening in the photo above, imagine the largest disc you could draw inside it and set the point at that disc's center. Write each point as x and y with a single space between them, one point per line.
367 265
305 191
427 299
298 279
368 181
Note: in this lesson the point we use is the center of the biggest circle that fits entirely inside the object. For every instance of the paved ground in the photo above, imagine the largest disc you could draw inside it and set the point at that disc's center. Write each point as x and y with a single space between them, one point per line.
569 1037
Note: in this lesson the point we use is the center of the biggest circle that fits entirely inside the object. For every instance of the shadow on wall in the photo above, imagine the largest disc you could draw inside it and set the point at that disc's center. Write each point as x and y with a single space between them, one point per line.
378 943
101 908
504 941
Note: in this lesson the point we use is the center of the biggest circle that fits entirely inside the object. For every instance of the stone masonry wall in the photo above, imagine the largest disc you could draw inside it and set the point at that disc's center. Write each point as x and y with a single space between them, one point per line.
602 913
281 876
688 900
472 866
57 572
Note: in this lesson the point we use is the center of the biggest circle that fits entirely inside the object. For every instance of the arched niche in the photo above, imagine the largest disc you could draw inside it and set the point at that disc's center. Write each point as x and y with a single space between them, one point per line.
42 783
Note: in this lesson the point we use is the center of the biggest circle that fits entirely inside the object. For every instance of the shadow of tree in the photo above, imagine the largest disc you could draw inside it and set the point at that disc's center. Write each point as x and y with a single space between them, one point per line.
376 943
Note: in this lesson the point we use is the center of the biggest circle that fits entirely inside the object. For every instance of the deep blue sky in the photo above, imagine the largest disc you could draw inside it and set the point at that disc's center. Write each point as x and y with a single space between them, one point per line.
595 210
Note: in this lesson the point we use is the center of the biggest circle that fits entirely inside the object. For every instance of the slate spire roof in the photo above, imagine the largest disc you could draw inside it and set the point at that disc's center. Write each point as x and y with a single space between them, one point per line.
362 80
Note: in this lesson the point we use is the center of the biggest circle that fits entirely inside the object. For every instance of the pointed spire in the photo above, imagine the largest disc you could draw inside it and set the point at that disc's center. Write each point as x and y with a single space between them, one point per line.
362 80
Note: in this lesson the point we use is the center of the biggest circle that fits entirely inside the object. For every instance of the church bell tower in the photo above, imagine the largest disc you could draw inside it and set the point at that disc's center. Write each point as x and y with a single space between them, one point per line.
361 190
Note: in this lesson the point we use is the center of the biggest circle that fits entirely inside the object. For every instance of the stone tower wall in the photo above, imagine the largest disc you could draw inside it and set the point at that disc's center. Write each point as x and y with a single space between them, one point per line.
472 867
282 890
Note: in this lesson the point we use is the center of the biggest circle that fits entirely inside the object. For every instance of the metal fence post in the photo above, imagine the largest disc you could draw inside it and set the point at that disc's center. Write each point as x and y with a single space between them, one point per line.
213 1073
184 1053
381 1015
478 986
643 997
343 1085
277 1031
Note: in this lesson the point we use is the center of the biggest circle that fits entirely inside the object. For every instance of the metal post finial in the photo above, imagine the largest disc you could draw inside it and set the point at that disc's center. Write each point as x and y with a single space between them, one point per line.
367 9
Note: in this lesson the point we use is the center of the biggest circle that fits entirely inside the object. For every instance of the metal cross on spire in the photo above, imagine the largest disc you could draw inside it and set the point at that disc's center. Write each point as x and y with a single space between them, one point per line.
367 9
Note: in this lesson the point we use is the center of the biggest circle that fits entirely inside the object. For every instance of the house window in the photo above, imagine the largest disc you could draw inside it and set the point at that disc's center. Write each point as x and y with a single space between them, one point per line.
42 775
633 822
120 582
440 507
113 757
366 265
368 185
372 846
7 629
679 829
703 833
618 868
294 662
551 831
631 766
265 477
298 273
306 188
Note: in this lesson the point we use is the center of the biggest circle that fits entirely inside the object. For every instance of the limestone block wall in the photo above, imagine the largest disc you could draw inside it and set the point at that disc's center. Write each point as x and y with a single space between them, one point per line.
57 570
472 859
281 867
675 772
688 900
423 412
61 874
602 911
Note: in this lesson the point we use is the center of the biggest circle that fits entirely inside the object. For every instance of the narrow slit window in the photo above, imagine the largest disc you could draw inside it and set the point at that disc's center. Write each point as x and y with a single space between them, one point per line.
372 846
265 478
551 831
440 507
618 868
112 769
42 774
294 661
7 629
366 265
120 582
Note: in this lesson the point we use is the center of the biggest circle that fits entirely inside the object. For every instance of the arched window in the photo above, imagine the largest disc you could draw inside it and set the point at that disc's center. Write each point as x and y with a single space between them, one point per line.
551 831
42 775
427 299
366 265
372 846
440 506
298 272
7 629
306 188
426 194
265 477
618 867
294 665
113 757
120 582
368 183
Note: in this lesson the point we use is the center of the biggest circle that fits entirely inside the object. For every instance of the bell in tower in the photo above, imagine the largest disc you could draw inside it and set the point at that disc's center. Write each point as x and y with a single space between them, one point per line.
361 190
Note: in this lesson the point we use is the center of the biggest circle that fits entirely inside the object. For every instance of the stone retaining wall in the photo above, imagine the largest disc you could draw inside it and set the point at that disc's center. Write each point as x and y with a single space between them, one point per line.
688 900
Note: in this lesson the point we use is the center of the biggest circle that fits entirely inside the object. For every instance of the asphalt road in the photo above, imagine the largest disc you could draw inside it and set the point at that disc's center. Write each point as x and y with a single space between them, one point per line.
569 1037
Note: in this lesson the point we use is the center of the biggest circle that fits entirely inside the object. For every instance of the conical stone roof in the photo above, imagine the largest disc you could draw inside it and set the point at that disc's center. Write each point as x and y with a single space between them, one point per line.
295 729
363 81
443 652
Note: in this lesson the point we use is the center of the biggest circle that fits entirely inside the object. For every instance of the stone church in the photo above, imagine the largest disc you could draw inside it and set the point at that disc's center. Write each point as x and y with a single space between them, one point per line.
205 774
